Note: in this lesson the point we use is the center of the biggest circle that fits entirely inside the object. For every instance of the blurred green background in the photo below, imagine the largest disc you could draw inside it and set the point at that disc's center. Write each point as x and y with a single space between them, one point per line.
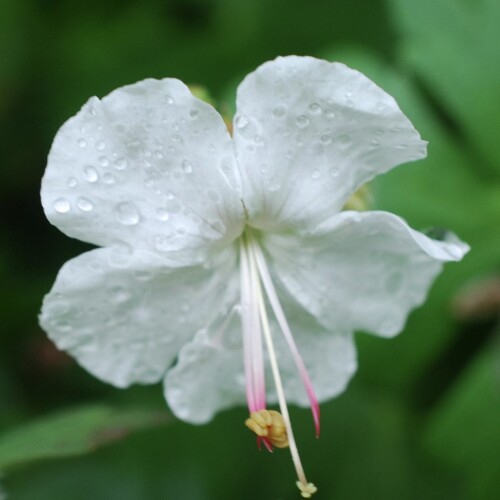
421 419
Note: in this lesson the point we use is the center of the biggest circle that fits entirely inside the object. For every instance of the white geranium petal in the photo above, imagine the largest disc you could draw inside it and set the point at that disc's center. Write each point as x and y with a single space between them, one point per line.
209 374
124 317
309 132
361 271
149 165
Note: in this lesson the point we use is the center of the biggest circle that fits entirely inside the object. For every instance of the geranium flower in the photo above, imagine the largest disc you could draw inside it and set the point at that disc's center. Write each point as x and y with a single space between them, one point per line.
227 268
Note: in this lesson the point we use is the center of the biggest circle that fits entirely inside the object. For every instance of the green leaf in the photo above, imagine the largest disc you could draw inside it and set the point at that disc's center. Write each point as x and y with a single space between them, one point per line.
464 429
72 433
453 46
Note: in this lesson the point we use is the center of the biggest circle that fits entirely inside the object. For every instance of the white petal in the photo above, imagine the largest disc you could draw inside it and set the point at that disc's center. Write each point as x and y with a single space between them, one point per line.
361 271
124 317
308 133
149 165
209 375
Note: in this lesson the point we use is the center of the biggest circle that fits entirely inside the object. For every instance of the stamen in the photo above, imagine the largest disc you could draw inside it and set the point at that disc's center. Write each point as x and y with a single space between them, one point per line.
252 337
285 328
305 487
270 425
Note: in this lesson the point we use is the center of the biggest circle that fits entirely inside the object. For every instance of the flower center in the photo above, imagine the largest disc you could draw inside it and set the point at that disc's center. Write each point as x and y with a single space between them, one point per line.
272 428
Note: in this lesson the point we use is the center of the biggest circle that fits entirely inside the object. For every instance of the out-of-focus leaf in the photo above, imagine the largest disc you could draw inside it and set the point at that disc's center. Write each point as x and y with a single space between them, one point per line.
367 450
453 45
72 433
464 430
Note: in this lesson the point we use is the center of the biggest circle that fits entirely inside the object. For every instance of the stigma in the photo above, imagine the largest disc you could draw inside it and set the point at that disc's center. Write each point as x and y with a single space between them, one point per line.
272 428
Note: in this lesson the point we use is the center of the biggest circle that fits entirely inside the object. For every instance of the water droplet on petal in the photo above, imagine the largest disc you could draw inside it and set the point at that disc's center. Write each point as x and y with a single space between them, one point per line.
82 143
169 99
187 168
108 179
90 174
162 214
72 182
143 275
118 295
316 175
100 146
302 121
120 163
334 172
330 114
103 161
241 122
194 113
344 140
326 139
258 140
279 111
84 204
274 185
127 213
62 206
315 108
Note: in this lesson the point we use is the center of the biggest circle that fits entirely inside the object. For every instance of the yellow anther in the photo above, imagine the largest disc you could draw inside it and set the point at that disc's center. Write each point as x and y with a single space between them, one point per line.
307 490
269 424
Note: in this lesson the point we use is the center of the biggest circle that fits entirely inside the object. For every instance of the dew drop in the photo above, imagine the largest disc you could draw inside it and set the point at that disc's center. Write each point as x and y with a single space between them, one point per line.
120 163
258 140
375 143
330 114
90 174
334 172
169 99
194 113
187 168
119 295
241 122
82 143
127 214
143 275
344 139
62 206
316 175
302 121
162 214
108 179
72 182
314 108
326 139
103 161
84 204
100 146
279 111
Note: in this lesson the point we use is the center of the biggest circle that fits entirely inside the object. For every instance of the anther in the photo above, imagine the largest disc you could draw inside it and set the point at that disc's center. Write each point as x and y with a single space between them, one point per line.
307 490
269 424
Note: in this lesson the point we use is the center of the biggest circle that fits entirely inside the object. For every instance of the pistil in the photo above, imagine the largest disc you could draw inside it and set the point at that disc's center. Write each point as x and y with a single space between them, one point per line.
271 427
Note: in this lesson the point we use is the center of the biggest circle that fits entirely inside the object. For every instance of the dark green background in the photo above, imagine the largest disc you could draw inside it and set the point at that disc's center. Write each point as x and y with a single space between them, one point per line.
421 419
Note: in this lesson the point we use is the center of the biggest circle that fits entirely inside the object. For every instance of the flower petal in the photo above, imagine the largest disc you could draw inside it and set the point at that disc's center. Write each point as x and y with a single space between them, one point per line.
209 374
125 316
308 133
361 271
149 165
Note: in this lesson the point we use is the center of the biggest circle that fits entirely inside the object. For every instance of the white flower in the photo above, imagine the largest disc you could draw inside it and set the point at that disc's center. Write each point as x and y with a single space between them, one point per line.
205 234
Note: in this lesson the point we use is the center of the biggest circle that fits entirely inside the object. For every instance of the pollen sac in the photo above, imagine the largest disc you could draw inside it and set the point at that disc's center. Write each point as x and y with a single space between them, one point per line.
269 424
